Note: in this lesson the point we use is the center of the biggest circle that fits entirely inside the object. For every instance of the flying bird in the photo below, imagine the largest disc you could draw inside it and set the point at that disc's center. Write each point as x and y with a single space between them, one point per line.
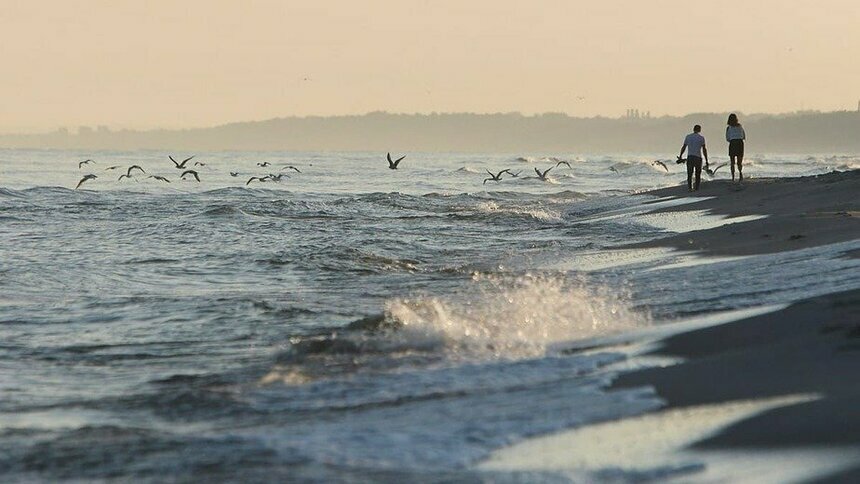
563 163
515 175
277 177
233 173
85 162
658 162
262 179
199 163
542 176
264 164
112 167
190 172
291 167
123 176
496 178
132 167
159 178
393 164
85 178
180 166
712 172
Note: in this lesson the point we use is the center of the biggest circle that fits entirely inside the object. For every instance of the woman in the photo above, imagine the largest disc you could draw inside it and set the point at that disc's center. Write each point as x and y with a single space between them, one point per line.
735 136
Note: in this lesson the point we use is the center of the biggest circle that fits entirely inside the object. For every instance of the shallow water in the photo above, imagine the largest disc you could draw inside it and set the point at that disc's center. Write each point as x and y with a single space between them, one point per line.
348 323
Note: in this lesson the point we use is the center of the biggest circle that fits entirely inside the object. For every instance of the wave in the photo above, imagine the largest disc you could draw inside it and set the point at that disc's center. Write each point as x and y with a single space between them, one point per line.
497 317
537 213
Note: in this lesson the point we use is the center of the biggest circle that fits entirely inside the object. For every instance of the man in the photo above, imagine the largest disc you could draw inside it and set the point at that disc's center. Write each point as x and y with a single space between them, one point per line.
694 143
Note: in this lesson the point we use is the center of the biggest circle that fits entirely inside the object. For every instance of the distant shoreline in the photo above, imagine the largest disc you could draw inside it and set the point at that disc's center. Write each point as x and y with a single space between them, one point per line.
804 132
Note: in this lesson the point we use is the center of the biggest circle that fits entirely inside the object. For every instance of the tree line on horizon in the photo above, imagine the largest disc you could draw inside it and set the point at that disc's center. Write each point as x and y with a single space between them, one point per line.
829 132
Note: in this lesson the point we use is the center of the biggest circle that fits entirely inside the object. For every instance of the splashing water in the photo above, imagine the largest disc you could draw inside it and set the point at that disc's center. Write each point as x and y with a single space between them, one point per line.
513 317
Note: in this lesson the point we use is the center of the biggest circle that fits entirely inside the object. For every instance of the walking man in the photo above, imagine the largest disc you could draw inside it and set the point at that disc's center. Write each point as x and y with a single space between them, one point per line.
694 143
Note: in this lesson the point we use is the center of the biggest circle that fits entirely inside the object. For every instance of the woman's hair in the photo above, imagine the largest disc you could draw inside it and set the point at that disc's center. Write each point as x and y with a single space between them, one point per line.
733 120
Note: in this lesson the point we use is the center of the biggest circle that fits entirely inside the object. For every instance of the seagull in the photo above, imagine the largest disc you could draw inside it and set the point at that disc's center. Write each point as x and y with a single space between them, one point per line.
563 163
85 178
160 178
658 162
542 176
515 175
112 167
393 164
199 163
291 167
132 167
233 173
180 166
277 177
189 172
496 178
123 176
264 164
82 163
262 179
712 172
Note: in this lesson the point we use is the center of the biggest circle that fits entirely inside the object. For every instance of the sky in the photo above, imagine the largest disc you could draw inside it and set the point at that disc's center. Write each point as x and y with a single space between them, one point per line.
196 63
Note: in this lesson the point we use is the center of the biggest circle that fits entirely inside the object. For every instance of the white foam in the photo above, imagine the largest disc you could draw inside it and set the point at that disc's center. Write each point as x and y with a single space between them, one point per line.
515 317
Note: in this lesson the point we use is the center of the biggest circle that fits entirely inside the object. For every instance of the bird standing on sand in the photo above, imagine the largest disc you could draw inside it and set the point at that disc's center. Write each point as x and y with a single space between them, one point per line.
159 178
190 172
85 178
180 166
542 176
496 178
392 165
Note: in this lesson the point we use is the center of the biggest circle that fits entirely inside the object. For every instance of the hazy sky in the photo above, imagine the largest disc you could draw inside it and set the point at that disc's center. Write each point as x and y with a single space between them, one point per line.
173 63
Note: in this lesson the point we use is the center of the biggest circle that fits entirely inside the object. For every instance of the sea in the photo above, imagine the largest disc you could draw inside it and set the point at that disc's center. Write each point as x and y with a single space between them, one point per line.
348 323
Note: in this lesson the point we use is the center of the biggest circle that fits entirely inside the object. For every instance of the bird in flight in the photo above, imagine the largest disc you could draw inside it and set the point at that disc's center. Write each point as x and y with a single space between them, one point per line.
393 164
112 167
264 164
291 167
180 166
497 177
658 162
712 172
199 163
189 172
234 173
85 178
132 167
262 179
85 162
159 178
562 163
277 177
515 175
123 176
542 176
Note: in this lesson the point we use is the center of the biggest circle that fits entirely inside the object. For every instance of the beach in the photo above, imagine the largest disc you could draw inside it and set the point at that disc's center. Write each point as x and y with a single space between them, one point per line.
354 323
723 388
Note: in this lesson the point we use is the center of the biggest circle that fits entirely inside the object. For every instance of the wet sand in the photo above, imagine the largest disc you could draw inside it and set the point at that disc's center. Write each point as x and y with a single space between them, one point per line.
808 351
801 212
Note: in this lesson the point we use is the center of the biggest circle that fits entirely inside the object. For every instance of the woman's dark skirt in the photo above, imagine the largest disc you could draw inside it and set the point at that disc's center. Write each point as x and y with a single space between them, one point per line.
736 148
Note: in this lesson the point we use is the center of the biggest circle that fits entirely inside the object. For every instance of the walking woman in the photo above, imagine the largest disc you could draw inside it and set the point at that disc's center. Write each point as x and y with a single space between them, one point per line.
735 136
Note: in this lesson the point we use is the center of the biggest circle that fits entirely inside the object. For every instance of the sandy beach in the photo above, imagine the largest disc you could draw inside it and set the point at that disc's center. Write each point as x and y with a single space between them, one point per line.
752 397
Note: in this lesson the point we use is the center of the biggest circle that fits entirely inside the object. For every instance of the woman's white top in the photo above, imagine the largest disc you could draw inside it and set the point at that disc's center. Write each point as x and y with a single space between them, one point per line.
735 132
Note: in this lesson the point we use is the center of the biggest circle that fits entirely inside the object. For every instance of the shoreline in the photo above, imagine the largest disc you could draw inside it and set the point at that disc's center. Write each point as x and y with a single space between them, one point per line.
805 357
800 212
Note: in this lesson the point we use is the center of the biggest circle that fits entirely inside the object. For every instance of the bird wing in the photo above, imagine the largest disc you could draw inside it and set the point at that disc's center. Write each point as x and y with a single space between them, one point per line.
538 172
718 167
658 162
174 161
398 160
81 182
186 160
389 158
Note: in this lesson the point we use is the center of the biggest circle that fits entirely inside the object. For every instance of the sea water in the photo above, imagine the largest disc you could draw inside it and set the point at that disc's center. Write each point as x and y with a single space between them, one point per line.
348 323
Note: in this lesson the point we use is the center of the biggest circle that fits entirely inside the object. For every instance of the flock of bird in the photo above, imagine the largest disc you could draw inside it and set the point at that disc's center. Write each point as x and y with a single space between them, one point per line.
186 172
276 177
